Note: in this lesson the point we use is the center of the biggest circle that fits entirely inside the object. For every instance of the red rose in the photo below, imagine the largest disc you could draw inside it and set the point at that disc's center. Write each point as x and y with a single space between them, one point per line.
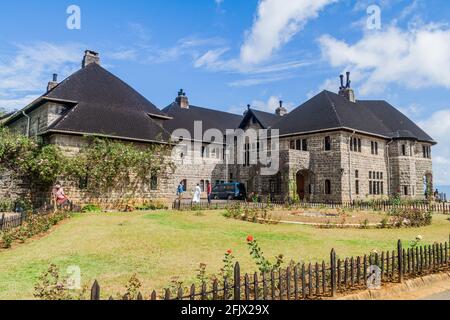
250 239
229 251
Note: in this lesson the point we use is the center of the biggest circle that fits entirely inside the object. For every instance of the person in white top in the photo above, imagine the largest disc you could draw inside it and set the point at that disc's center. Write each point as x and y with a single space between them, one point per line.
197 194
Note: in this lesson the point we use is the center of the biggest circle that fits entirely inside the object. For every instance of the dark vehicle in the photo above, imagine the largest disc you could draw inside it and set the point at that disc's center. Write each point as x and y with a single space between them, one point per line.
229 191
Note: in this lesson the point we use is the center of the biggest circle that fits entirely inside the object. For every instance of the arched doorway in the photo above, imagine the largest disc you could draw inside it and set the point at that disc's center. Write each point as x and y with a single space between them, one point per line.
304 185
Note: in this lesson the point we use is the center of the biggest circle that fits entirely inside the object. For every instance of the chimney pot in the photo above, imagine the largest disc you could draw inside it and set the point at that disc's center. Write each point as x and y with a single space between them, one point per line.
182 99
52 84
281 111
90 57
346 91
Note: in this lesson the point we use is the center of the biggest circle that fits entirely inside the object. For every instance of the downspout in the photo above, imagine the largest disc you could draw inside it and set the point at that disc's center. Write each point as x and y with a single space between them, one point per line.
388 168
28 123
350 166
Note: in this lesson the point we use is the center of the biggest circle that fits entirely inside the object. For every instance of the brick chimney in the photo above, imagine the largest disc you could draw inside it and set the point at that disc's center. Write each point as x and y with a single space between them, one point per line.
346 91
182 100
281 111
52 84
90 57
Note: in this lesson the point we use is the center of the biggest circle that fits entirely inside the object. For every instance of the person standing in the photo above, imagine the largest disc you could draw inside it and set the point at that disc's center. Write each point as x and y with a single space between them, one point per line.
209 192
180 190
197 194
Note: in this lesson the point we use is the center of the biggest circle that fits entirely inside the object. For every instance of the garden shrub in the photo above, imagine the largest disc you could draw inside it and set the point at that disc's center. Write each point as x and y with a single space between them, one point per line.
263 264
6 205
35 224
250 213
52 286
410 217
91 208
152 205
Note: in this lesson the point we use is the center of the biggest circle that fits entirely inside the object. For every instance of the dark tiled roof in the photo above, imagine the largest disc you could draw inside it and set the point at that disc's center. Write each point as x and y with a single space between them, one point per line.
102 104
107 106
211 119
328 110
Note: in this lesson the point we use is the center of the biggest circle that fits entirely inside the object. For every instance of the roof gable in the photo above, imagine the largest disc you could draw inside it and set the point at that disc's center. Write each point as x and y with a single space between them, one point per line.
265 119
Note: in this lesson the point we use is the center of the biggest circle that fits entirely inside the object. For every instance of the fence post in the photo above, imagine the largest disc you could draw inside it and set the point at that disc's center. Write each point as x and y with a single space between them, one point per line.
400 260
333 272
237 282
95 291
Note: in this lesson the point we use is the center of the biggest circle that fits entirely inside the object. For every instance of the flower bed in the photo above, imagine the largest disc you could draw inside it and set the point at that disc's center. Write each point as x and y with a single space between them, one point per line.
34 225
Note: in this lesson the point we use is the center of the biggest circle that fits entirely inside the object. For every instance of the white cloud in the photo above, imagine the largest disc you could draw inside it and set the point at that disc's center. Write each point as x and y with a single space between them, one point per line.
413 110
24 75
271 104
253 81
16 103
126 55
275 23
438 126
416 58
211 59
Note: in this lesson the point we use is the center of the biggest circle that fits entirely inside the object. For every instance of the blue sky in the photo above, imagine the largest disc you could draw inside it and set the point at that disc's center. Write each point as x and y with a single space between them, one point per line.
229 53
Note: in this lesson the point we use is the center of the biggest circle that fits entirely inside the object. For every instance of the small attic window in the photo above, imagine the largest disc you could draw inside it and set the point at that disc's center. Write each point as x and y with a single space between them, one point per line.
60 110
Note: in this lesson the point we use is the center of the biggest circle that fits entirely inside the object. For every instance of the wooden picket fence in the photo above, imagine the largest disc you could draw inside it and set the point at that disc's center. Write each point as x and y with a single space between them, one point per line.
313 280
385 206
12 221
16 220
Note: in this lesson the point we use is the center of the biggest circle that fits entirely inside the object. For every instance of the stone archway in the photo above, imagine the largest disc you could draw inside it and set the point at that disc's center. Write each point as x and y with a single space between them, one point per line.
304 184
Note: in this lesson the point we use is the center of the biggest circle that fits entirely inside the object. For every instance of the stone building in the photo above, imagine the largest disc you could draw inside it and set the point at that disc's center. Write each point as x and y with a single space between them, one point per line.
331 148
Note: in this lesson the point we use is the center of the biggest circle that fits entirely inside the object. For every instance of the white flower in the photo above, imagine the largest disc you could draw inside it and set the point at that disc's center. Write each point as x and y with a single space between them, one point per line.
419 238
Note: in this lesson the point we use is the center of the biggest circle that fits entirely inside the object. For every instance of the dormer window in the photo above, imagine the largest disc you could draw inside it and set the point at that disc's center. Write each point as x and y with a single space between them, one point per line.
61 110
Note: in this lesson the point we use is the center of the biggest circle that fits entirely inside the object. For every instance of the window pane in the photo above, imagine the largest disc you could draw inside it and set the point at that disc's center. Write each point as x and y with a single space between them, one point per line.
327 143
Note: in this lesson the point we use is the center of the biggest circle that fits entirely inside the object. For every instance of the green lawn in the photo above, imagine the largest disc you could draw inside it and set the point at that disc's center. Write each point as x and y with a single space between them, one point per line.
160 245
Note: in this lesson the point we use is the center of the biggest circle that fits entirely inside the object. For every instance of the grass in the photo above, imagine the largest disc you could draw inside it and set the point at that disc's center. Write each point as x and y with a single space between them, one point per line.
160 245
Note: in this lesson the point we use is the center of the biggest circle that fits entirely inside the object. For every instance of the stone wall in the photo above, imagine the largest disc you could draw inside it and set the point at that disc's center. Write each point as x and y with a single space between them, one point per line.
13 189
358 165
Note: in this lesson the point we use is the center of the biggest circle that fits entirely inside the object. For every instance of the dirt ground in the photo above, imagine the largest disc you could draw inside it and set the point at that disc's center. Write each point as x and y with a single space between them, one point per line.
330 216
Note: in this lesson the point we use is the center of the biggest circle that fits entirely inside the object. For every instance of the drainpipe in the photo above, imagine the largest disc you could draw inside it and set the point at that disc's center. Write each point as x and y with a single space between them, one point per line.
388 168
350 166
28 123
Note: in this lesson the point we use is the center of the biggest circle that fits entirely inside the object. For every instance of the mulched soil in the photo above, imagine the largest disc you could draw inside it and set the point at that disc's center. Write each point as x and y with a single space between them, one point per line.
330 216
